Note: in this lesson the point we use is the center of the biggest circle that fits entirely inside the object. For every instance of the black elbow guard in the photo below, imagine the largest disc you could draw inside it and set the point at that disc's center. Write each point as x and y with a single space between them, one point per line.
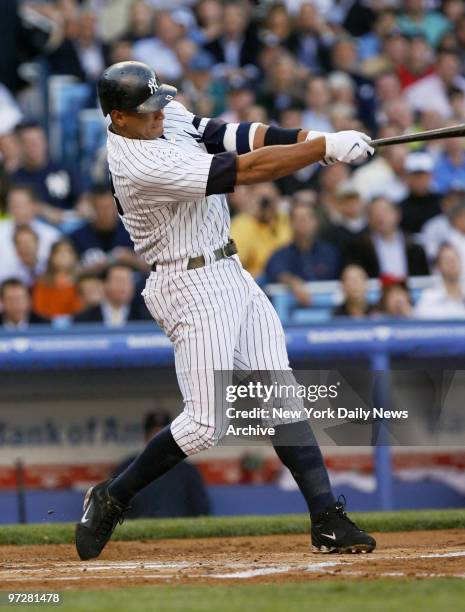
280 136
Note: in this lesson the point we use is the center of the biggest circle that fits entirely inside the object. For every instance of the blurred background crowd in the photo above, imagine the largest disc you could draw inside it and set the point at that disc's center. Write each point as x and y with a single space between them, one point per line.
383 239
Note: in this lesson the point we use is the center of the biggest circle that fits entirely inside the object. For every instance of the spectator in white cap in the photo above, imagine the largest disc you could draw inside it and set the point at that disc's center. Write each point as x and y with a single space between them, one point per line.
347 218
421 203
342 88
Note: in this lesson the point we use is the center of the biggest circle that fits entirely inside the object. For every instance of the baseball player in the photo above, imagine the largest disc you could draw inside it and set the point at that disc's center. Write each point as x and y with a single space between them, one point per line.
169 172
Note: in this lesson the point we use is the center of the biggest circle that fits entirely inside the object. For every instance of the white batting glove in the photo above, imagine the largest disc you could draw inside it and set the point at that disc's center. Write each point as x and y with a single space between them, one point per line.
348 146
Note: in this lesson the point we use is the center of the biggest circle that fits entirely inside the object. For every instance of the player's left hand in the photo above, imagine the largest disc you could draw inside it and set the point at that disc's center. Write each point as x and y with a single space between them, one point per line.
347 146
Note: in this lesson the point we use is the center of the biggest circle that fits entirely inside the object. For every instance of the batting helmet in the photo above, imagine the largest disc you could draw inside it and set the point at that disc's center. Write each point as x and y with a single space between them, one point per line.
132 86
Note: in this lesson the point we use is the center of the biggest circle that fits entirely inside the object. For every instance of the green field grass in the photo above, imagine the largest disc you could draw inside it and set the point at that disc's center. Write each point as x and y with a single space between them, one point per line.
349 596
204 527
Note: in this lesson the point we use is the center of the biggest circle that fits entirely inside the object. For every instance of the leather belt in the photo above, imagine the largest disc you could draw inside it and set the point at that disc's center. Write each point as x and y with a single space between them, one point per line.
227 250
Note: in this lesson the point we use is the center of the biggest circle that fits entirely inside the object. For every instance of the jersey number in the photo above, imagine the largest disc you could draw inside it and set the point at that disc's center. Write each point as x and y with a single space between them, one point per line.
117 202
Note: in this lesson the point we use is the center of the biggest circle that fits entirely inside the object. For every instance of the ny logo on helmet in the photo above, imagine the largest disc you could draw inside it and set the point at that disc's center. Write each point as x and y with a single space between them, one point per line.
152 85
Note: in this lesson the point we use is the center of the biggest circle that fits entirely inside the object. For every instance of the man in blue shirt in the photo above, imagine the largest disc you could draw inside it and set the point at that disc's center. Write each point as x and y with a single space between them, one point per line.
57 186
449 169
306 258
104 240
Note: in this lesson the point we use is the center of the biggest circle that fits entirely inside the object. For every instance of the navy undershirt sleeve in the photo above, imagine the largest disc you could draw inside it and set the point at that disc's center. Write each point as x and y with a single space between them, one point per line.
223 172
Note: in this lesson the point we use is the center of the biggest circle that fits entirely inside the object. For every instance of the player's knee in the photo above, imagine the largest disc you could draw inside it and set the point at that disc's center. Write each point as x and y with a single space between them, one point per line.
194 436
208 437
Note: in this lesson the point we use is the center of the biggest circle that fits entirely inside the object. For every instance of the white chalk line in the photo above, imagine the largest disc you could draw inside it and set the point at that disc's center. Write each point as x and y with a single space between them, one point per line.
241 575
97 567
252 573
315 567
459 553
87 569
132 565
103 569
91 577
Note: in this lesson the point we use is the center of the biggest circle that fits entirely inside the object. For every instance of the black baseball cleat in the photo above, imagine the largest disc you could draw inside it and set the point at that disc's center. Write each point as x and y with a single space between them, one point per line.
334 532
101 515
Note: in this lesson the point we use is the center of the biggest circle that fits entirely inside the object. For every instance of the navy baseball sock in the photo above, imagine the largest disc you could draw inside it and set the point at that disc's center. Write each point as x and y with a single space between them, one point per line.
298 449
160 455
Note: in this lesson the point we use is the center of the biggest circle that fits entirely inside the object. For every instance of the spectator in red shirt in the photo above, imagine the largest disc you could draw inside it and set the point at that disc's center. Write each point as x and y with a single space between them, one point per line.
419 61
55 293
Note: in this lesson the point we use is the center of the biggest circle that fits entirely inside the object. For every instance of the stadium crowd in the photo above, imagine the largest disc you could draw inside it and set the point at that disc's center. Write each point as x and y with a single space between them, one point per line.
381 66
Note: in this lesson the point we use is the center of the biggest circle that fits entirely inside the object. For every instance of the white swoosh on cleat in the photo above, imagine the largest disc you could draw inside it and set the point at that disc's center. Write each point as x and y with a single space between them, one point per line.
331 537
84 518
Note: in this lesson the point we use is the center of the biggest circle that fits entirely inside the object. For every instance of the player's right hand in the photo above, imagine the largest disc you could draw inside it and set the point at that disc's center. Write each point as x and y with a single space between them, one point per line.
348 146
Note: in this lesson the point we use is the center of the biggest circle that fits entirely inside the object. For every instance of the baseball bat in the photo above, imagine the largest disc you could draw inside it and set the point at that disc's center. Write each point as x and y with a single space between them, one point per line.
448 132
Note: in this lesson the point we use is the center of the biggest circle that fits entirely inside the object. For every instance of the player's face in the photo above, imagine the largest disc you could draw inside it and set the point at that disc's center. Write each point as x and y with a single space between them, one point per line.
144 126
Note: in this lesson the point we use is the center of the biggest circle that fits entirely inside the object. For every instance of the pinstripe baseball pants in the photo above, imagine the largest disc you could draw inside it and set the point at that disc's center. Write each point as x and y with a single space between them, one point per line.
218 319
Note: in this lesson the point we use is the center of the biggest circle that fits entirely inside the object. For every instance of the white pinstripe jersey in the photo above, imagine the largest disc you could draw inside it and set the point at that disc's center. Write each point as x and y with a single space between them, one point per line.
159 186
